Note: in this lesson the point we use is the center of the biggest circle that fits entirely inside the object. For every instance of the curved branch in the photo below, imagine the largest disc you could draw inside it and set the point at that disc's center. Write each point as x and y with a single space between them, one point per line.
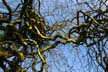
38 49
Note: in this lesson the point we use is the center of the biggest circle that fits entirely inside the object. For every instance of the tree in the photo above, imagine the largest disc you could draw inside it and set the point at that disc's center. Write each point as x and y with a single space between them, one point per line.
27 35
92 32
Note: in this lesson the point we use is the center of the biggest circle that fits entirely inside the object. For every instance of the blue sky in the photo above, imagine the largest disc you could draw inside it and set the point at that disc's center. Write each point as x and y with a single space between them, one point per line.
62 54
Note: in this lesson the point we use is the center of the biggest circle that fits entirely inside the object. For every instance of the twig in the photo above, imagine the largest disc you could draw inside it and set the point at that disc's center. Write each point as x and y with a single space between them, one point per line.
9 9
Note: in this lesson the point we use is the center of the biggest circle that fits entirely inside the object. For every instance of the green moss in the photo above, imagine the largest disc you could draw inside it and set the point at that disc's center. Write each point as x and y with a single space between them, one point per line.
1 37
